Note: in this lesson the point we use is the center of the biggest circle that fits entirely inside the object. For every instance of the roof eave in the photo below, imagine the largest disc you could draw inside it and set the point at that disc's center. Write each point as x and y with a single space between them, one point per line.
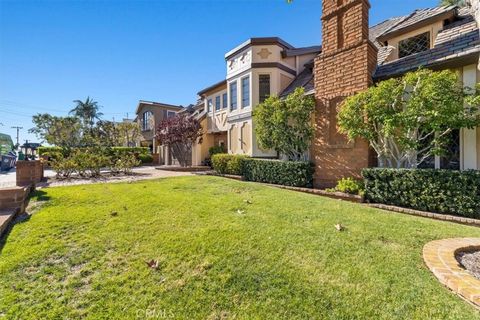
441 16
258 41
212 87
456 62
156 104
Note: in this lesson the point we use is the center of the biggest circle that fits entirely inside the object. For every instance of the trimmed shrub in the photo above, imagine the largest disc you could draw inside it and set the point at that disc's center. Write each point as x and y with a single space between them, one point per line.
64 167
124 164
235 165
228 163
113 153
44 151
350 186
109 150
288 173
129 150
220 161
442 191
145 158
216 150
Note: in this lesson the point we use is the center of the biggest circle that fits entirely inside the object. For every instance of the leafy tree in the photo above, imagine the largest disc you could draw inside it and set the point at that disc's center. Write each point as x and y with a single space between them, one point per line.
180 133
407 120
285 125
87 111
129 133
58 131
104 133
460 3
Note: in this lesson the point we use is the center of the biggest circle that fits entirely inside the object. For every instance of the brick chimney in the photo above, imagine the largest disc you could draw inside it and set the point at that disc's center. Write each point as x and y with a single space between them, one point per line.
344 67
475 4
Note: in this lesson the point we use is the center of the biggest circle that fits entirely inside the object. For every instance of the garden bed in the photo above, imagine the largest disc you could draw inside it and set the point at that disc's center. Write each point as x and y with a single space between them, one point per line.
470 261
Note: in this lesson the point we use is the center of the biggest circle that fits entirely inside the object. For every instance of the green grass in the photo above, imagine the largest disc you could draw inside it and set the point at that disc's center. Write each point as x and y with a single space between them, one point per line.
220 256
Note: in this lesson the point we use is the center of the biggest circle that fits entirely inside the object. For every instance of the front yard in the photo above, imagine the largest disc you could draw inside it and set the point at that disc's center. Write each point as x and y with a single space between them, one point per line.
225 249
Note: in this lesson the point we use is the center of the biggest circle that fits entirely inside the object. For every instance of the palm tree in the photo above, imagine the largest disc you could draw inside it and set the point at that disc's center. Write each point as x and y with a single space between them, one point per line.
460 3
87 111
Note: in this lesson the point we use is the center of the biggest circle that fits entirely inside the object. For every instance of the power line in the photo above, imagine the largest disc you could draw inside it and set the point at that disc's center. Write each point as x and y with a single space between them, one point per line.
26 106
16 113
13 104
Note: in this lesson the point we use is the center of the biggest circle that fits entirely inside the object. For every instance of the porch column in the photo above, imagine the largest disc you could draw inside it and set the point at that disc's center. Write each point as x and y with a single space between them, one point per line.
469 136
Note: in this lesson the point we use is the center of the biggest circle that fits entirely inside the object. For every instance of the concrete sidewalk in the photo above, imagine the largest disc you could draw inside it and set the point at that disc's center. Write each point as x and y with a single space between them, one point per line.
9 178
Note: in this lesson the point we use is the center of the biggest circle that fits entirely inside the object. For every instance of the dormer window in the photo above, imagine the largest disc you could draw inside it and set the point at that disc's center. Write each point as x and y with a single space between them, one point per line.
414 45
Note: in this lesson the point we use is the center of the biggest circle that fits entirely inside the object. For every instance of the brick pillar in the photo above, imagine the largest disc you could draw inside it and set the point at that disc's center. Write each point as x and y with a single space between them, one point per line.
29 172
344 67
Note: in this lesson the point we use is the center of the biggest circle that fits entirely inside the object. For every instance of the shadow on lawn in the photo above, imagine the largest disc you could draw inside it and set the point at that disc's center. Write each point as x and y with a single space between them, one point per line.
38 197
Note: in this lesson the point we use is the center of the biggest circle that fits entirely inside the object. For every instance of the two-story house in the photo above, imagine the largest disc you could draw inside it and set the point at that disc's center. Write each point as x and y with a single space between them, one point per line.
255 69
149 115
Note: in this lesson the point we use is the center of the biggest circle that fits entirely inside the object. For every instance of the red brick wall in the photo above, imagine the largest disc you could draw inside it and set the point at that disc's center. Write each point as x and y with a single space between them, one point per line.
29 172
14 198
344 68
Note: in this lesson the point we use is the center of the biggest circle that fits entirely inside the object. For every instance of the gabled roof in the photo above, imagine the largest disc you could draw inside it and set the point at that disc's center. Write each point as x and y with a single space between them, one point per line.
457 44
379 29
418 18
301 51
143 103
212 87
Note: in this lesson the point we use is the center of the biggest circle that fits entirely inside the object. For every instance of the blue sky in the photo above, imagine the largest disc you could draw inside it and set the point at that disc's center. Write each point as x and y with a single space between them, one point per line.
118 52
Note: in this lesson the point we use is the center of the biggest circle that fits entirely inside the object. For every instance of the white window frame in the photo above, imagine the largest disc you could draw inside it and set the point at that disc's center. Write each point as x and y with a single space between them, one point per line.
209 105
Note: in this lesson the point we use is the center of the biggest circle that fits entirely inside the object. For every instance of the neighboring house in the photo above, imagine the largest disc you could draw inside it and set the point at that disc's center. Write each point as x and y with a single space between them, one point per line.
149 115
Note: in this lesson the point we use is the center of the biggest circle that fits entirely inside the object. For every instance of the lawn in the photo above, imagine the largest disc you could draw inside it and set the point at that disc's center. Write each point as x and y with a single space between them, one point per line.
226 249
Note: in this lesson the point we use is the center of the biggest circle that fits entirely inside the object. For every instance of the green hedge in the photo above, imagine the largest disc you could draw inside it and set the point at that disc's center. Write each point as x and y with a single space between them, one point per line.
112 150
43 151
288 173
54 153
145 158
228 163
442 191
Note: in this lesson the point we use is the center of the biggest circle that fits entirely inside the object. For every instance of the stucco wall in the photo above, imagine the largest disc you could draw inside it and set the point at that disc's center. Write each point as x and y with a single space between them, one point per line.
469 141
216 119
200 150
157 118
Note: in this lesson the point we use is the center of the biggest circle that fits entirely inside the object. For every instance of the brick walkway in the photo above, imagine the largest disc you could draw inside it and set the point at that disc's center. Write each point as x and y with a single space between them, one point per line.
440 258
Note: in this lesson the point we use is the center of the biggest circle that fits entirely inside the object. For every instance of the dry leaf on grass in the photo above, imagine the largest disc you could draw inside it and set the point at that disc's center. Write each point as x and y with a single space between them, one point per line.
153 264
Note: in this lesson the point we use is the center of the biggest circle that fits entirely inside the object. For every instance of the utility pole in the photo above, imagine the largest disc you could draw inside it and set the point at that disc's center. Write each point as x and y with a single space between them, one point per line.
18 134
